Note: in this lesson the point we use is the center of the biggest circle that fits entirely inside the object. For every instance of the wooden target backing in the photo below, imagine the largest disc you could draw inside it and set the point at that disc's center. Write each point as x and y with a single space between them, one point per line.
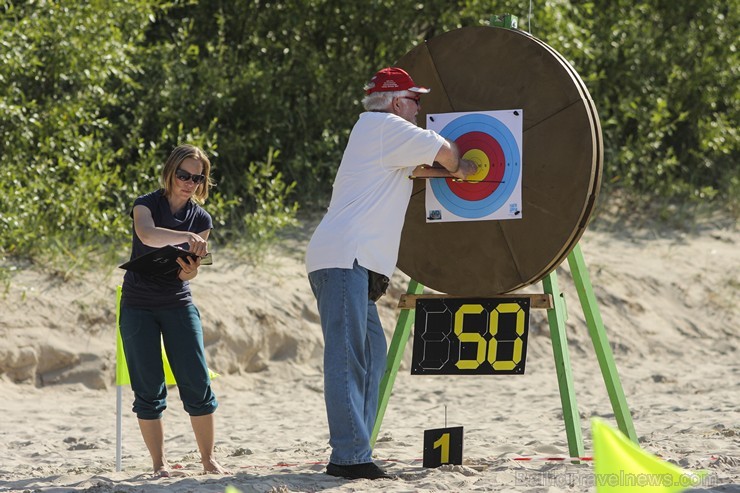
488 68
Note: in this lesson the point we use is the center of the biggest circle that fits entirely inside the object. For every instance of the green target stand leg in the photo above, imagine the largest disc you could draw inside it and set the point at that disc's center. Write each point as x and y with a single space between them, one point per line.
395 355
601 344
556 317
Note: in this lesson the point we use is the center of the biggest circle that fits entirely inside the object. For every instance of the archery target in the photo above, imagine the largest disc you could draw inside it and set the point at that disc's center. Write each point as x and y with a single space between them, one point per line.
476 69
493 141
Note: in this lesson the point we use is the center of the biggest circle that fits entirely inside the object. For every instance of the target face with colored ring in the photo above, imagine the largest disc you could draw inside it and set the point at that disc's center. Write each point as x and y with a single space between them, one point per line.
493 141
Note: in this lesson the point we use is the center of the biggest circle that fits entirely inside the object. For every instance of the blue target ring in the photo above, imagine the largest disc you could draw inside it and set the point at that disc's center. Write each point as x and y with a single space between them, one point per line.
488 205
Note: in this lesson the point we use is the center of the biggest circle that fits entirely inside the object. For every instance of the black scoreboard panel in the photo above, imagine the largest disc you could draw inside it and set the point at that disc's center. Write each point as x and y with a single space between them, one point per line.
470 336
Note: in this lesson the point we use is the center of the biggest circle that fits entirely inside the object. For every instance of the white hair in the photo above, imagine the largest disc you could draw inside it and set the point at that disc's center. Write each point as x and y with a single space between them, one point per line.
381 100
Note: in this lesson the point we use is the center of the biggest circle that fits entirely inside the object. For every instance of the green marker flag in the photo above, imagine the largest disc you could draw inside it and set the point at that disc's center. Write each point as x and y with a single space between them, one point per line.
122 376
621 465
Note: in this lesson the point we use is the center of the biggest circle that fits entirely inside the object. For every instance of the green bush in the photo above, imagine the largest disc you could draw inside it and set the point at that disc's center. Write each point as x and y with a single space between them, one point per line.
94 95
58 165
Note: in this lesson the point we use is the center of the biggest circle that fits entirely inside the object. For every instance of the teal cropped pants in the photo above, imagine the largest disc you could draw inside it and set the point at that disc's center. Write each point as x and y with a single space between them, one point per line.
181 331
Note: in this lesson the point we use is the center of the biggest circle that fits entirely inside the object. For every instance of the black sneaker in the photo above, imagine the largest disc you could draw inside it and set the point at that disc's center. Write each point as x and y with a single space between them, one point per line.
357 471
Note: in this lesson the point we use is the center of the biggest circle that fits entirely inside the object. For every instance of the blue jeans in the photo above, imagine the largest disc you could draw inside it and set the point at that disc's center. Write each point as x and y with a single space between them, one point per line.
354 360
182 334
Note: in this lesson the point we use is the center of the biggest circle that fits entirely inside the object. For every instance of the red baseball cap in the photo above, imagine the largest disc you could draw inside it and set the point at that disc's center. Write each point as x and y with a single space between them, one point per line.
393 79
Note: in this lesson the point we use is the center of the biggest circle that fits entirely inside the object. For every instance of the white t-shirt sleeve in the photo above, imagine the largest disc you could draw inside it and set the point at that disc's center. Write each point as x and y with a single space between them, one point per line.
404 145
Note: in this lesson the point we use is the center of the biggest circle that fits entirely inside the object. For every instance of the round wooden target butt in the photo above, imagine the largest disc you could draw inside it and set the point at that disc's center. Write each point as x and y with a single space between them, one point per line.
484 69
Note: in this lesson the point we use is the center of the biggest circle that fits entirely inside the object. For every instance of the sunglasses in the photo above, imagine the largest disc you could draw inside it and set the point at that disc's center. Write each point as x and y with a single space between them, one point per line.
183 175
416 100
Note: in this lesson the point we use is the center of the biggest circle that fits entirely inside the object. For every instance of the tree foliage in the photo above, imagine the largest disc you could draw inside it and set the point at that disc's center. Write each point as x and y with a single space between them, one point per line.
666 85
94 95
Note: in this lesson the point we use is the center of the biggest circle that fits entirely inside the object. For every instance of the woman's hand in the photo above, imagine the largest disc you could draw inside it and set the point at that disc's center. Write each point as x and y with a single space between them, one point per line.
197 244
188 267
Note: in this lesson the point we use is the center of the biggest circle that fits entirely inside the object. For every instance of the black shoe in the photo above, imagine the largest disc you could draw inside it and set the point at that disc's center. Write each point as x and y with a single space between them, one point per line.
357 471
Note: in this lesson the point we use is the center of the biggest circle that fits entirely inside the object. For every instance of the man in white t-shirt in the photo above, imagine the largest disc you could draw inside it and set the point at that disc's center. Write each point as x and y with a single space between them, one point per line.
358 239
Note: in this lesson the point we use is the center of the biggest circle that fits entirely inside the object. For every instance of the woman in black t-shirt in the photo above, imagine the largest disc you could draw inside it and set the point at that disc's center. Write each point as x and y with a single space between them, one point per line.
158 308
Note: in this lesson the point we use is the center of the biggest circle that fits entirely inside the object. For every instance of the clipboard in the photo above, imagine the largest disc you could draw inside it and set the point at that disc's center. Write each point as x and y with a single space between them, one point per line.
162 261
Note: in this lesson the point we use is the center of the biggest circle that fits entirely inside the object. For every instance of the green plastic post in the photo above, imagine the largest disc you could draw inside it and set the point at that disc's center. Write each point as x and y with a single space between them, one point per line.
395 355
601 344
556 317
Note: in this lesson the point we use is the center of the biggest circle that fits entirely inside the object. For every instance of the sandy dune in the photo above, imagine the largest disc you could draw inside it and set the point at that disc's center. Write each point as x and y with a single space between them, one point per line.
669 299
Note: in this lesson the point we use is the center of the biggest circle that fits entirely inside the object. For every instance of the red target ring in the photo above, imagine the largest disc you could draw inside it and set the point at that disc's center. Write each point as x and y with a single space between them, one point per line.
497 165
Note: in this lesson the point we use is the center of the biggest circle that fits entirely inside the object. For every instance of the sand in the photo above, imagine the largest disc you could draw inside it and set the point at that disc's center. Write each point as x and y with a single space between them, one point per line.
668 298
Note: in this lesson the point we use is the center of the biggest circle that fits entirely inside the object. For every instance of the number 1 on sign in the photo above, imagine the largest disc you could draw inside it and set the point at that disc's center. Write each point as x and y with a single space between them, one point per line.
449 441
444 444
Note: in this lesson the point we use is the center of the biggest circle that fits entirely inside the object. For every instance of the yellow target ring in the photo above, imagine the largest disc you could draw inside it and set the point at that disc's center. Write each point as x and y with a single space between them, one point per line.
481 160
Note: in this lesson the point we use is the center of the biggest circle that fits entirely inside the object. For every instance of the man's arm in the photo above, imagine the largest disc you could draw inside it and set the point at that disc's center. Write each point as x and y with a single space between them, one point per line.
448 157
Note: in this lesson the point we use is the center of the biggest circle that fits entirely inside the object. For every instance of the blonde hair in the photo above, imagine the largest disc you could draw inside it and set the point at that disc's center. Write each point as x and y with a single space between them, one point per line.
177 156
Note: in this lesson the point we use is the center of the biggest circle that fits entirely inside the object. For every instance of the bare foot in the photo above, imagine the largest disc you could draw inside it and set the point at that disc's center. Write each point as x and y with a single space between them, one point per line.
161 472
213 467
